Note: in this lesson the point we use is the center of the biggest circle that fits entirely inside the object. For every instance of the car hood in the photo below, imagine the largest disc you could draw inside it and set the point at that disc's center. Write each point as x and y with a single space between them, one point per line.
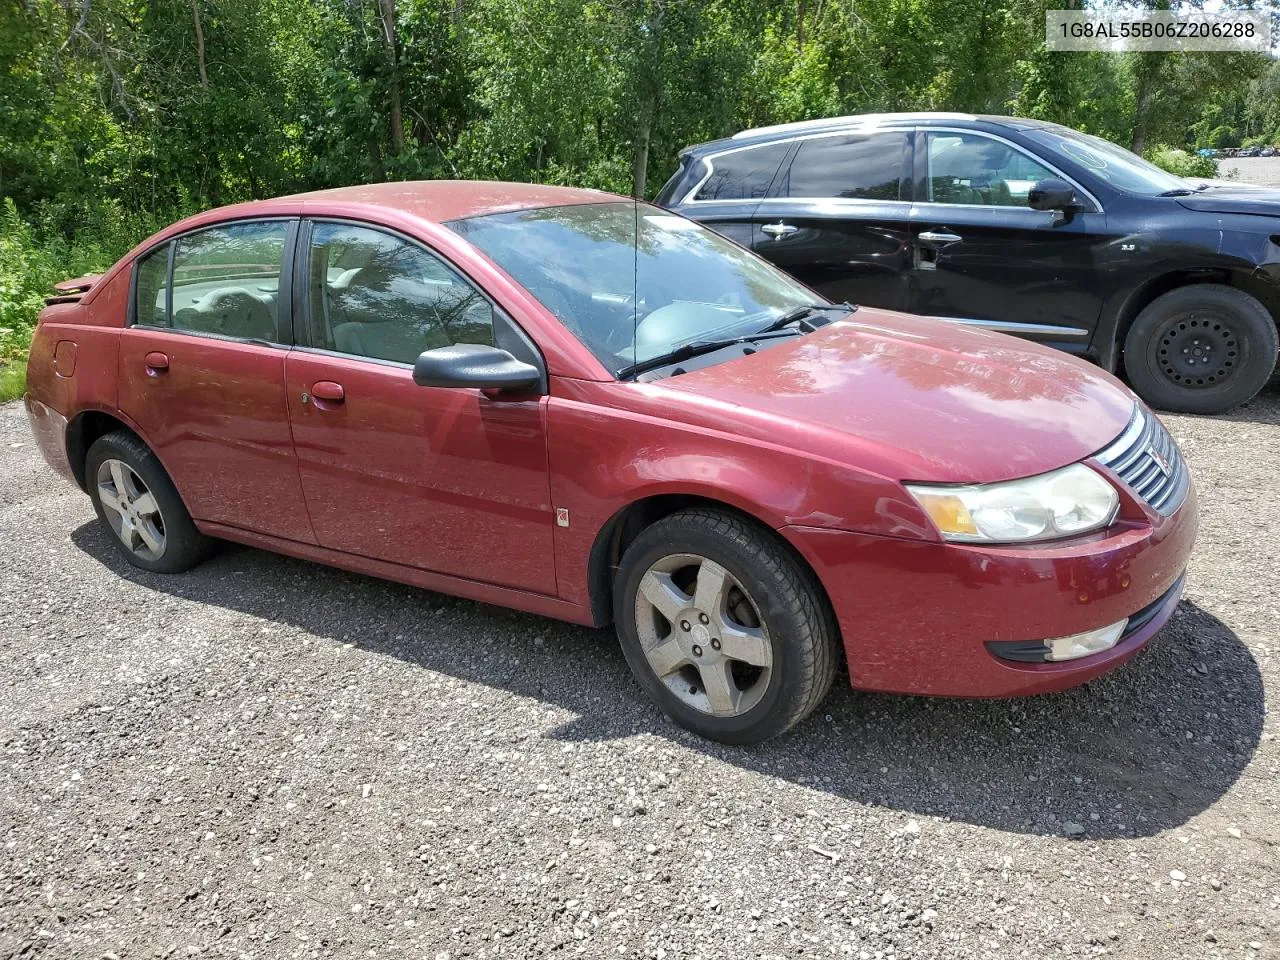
913 399
1242 198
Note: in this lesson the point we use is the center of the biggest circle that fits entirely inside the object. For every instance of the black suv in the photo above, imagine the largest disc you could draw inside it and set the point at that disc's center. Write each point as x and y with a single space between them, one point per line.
1015 225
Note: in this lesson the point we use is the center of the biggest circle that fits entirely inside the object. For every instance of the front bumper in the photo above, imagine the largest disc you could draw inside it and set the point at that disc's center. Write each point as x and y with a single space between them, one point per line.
917 617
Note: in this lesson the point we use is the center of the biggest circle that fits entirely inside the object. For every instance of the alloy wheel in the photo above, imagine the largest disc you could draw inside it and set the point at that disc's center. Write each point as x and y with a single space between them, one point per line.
702 635
131 509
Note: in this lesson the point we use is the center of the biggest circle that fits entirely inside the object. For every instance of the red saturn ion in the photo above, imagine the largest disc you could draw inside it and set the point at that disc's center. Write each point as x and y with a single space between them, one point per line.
565 402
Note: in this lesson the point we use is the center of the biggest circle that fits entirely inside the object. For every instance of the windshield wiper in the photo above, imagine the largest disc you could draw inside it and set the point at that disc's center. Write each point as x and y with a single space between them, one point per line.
1177 192
697 348
806 310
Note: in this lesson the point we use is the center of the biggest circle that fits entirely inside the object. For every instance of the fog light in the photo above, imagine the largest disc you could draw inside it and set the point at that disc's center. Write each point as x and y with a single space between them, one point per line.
1083 644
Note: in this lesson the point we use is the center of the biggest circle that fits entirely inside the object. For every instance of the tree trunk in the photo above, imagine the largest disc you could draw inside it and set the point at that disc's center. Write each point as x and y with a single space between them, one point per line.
800 25
195 17
640 163
387 14
1147 72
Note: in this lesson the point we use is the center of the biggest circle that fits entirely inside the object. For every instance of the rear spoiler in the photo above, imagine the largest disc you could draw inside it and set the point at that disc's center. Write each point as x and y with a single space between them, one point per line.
70 291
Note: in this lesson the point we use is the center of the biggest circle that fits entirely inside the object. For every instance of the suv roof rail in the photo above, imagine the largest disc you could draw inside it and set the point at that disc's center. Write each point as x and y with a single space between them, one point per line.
854 120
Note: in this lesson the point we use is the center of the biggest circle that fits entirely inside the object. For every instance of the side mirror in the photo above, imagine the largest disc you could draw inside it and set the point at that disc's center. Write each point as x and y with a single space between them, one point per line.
1053 194
474 365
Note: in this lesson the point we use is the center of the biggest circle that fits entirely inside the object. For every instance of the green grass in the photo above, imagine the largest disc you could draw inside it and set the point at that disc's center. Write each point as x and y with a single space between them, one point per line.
13 380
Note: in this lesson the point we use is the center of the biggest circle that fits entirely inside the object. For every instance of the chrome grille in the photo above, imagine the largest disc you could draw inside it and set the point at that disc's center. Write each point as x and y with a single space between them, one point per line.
1140 456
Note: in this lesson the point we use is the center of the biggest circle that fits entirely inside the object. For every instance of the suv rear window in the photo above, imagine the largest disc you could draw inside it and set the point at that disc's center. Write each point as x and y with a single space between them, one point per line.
853 167
743 174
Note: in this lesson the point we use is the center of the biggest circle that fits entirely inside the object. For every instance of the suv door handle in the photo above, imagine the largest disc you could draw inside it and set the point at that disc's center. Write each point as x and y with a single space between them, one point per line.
779 229
156 362
940 236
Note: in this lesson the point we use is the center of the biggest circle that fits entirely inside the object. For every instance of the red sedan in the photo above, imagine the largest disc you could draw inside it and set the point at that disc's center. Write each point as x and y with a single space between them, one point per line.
565 402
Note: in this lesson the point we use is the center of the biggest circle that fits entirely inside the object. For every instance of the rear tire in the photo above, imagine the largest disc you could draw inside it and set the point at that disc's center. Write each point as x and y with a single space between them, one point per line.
1201 349
723 627
139 507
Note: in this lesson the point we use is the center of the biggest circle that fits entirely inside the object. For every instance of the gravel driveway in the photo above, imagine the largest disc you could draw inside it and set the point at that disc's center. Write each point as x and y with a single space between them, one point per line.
267 758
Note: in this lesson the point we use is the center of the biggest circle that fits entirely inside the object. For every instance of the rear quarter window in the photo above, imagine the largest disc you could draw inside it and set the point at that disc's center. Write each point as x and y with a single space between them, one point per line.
151 293
743 174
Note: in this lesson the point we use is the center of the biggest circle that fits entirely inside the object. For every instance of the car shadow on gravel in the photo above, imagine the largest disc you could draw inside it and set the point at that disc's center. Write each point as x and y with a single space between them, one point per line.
1139 751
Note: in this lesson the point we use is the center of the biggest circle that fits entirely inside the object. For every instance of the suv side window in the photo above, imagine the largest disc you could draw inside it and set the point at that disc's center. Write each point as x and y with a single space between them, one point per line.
371 294
743 174
972 169
151 289
226 280
851 166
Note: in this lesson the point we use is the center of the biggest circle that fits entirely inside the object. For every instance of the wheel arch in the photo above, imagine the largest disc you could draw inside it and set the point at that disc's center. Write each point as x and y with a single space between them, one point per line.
1111 347
90 424
627 523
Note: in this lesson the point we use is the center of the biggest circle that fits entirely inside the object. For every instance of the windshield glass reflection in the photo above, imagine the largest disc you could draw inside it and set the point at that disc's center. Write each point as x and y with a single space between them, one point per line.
632 281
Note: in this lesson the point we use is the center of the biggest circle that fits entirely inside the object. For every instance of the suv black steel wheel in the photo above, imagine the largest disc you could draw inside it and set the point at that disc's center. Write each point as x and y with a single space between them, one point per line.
1201 349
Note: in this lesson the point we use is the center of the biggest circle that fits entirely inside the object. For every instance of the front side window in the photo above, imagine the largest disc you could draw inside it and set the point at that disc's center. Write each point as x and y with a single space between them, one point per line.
848 167
151 289
743 174
374 295
226 280
632 281
978 171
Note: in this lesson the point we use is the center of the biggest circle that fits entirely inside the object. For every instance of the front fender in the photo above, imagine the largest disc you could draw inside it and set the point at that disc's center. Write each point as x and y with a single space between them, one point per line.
603 460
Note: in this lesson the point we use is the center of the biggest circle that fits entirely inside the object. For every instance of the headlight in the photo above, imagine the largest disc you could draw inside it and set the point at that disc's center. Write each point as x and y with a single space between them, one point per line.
1063 503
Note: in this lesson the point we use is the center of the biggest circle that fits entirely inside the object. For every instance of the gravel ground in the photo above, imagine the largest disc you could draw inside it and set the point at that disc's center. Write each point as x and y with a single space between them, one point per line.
1264 171
267 758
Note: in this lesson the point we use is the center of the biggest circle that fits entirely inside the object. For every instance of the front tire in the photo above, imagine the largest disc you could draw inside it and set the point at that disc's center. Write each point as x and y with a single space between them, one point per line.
1201 349
139 507
723 627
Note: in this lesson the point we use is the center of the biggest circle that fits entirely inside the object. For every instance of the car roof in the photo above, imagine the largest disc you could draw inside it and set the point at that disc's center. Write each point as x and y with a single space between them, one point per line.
443 200
858 121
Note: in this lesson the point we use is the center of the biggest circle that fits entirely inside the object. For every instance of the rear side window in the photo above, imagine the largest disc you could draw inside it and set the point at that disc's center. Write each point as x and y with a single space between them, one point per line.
226 280
853 167
151 291
743 174
374 295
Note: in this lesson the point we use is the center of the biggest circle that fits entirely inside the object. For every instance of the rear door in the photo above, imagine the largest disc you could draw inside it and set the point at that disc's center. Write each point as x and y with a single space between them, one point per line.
838 216
730 187
982 256
451 480
202 373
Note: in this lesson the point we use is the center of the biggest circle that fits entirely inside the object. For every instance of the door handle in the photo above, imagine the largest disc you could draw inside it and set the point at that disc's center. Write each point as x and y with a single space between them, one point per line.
779 229
328 390
939 236
156 362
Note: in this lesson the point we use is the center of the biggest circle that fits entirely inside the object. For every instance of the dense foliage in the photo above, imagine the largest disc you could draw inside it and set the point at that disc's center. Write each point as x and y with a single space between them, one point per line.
117 116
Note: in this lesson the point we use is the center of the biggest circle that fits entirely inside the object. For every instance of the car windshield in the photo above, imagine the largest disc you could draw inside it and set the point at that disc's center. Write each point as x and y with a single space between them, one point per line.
631 281
1117 166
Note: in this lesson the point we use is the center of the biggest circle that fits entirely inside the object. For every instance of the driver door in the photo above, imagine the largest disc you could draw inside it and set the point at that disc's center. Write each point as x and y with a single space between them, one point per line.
444 479
982 256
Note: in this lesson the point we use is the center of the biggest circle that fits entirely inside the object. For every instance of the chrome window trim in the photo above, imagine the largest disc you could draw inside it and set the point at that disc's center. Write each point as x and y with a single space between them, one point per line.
690 197
1097 205
1009 326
